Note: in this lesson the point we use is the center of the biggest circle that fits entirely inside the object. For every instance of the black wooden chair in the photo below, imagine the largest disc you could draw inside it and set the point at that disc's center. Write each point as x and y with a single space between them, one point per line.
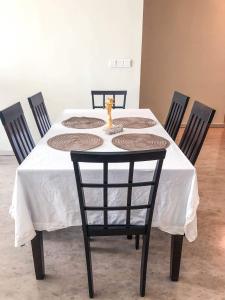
106 229
191 143
40 113
112 94
17 131
22 143
176 113
195 132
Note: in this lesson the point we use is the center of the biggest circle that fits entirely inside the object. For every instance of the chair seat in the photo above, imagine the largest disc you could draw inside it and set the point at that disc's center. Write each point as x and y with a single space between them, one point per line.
101 230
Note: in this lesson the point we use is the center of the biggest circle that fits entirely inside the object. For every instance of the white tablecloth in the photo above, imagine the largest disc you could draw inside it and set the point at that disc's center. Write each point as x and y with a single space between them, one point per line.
45 195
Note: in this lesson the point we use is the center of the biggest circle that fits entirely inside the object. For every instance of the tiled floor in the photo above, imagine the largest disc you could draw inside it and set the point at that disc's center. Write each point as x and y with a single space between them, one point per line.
115 261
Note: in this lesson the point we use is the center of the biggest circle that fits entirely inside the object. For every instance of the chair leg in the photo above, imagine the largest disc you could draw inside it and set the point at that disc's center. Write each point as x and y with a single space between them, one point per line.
89 265
137 238
144 262
175 258
38 255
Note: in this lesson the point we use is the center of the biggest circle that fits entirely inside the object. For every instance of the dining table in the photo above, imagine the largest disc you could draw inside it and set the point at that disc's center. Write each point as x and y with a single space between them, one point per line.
45 195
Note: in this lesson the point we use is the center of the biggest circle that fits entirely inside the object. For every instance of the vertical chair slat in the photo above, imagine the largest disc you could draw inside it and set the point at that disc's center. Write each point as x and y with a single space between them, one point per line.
21 136
14 143
39 123
189 131
168 125
104 101
21 143
40 120
30 141
195 130
129 191
44 128
21 152
173 117
105 192
44 117
197 141
176 116
80 194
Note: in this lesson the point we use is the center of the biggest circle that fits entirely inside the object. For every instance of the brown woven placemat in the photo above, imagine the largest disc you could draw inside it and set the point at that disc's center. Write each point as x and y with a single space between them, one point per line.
83 122
134 122
75 141
140 141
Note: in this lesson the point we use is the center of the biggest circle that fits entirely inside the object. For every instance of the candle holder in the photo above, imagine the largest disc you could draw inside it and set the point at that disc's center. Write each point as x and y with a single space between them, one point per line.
110 128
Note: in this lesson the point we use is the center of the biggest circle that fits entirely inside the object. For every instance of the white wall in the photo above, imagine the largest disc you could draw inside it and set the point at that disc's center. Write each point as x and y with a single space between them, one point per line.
62 48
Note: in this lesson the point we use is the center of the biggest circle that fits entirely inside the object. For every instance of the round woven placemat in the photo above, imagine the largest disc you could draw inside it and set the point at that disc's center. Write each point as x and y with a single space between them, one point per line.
134 122
83 122
75 141
140 141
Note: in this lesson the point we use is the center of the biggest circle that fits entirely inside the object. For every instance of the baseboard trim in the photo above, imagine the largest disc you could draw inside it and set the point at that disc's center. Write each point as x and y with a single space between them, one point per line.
215 125
6 153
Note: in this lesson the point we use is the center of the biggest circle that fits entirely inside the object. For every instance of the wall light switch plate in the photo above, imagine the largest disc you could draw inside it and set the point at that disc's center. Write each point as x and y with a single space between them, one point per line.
120 63
112 63
127 63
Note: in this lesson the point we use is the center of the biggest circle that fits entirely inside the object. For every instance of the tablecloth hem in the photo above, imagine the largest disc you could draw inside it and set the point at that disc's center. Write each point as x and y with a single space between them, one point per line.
24 241
192 234
175 230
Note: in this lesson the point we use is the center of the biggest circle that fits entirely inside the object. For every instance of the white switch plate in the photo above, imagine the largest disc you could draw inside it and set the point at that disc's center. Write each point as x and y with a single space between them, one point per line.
120 63
112 63
127 63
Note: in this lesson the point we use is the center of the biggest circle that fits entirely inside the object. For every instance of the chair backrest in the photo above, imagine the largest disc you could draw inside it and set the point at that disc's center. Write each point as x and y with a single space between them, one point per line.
105 94
176 113
40 113
17 131
195 132
111 158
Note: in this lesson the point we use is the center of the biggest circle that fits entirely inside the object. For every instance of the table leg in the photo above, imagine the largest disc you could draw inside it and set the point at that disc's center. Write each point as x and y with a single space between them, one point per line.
175 258
38 255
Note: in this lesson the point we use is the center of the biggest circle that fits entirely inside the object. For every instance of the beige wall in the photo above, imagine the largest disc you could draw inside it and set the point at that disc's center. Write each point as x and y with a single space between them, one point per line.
184 50
62 48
